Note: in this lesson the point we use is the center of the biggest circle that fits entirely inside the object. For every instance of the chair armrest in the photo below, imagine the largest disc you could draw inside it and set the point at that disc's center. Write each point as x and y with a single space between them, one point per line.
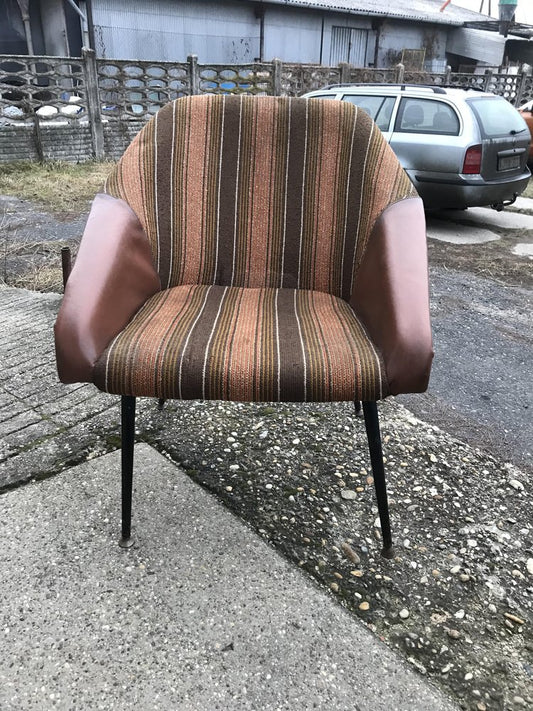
391 295
112 277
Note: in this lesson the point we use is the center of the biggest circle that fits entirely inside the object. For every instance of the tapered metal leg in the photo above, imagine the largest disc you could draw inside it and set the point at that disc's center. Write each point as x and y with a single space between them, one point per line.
378 471
357 407
161 403
128 440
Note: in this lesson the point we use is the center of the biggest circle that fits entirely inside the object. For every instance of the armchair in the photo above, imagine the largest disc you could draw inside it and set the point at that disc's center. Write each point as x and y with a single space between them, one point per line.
252 249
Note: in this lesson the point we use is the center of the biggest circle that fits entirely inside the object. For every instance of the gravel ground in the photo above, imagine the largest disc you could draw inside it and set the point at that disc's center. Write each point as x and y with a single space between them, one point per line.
456 600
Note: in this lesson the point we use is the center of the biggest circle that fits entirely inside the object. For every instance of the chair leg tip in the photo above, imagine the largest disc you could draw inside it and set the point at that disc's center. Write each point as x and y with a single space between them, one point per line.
388 552
126 542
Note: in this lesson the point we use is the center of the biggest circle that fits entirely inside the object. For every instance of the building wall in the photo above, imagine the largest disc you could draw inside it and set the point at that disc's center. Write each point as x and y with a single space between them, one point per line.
12 37
332 21
54 28
292 35
230 32
300 35
396 36
170 30
219 32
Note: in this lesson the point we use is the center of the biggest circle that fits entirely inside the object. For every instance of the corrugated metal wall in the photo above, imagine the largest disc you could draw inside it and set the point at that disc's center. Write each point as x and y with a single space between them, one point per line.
225 32
170 30
348 44
487 47
229 31
293 34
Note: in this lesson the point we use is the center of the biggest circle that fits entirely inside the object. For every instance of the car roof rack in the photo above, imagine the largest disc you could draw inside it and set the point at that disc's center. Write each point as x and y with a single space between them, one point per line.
437 89
465 88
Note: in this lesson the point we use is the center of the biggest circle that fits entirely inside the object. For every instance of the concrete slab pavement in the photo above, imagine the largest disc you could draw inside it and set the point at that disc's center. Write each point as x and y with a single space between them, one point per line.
44 426
105 619
201 614
478 225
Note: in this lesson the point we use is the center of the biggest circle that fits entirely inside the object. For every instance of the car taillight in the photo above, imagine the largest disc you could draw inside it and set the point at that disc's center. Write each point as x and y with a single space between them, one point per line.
472 161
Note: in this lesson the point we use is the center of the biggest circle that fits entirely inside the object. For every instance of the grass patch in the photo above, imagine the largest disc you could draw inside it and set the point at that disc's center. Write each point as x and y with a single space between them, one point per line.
61 188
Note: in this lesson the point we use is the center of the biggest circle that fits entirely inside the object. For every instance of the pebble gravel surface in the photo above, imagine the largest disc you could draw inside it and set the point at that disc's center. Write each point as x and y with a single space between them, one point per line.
456 600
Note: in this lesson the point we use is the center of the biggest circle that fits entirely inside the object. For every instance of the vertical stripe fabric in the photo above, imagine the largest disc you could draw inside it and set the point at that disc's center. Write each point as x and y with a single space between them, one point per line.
259 192
243 344
258 211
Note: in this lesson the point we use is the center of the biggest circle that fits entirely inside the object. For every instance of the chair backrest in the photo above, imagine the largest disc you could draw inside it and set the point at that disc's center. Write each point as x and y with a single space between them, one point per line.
444 122
259 191
413 116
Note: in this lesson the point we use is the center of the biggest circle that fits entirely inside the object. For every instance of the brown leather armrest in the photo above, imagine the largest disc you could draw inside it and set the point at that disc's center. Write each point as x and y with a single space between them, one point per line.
391 295
112 277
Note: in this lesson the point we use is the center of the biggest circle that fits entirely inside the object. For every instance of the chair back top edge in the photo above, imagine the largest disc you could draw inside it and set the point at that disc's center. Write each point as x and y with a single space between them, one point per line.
259 191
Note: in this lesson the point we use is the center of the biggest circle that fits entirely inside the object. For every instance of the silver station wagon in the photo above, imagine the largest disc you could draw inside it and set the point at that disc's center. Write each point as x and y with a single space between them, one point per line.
459 147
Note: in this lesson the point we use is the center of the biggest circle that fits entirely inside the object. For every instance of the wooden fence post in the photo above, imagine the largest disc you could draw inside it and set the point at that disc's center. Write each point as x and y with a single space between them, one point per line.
93 102
194 74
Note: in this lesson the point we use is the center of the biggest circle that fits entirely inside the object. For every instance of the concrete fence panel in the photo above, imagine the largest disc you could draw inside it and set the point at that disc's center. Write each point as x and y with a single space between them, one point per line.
80 108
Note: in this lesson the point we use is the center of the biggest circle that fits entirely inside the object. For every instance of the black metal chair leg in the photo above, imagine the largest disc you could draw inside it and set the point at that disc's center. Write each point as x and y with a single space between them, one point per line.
378 470
128 440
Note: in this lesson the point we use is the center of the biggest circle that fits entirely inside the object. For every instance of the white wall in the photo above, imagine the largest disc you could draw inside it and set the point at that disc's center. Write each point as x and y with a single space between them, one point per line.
229 32
292 35
295 35
170 30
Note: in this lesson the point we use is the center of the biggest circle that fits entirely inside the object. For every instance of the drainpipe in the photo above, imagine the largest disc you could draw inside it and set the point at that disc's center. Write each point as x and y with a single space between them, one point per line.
90 24
376 26
82 12
321 40
260 15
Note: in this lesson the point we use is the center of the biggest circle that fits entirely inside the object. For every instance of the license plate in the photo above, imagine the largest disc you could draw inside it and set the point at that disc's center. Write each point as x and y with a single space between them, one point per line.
508 162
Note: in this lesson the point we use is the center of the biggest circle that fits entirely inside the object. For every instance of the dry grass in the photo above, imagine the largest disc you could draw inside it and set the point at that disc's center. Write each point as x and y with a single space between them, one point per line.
47 278
60 188
33 265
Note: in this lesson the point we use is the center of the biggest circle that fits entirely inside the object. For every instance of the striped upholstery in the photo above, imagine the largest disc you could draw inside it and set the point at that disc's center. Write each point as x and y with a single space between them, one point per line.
258 212
234 343
259 192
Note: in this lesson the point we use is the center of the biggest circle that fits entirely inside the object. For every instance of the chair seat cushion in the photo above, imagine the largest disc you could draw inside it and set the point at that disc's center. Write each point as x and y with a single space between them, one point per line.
233 343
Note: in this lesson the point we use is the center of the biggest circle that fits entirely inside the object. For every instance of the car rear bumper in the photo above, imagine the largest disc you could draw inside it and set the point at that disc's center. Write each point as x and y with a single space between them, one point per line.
459 191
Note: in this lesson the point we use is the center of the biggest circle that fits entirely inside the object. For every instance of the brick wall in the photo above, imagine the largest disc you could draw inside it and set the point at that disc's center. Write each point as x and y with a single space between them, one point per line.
17 143
67 142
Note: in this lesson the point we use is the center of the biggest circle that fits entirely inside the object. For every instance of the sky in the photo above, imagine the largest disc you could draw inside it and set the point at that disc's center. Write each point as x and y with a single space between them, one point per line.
524 10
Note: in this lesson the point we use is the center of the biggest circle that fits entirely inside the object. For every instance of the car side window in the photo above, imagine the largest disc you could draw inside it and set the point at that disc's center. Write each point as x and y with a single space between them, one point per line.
426 116
378 108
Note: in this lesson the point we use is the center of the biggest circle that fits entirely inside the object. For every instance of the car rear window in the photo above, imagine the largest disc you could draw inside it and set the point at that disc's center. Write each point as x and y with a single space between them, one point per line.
378 108
496 116
426 116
